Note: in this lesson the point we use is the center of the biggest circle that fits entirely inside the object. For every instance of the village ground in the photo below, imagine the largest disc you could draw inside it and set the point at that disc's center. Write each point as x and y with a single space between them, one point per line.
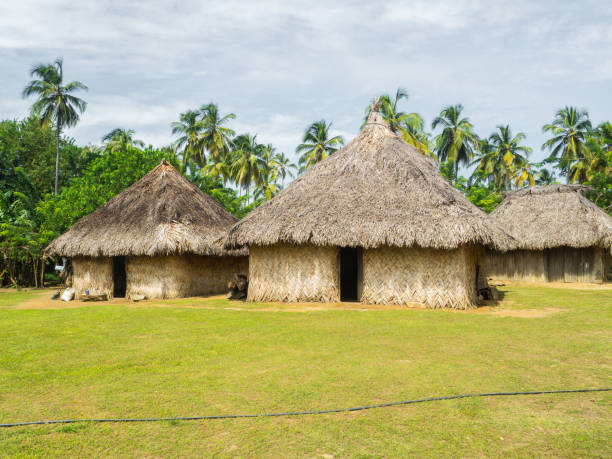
212 356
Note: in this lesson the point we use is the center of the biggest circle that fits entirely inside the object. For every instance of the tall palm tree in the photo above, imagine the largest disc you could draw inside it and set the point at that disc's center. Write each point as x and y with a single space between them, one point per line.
248 165
490 168
317 144
215 136
568 143
55 103
504 159
189 126
267 186
283 166
121 139
457 140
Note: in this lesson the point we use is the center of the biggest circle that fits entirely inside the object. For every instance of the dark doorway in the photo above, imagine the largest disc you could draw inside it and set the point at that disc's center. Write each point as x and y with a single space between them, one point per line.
350 273
119 278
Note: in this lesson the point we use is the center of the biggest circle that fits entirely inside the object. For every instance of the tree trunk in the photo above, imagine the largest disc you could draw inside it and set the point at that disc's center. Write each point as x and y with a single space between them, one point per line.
34 267
57 155
42 273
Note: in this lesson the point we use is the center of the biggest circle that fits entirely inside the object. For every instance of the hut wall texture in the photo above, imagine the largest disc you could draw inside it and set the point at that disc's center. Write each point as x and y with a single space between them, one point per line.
293 273
95 274
562 264
436 278
181 276
525 265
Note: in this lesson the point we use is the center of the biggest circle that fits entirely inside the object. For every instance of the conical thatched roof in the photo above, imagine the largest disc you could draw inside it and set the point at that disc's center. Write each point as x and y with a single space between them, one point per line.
376 191
161 214
549 216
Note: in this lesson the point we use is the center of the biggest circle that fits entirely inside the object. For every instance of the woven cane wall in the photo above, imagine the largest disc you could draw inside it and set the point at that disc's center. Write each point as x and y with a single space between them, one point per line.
95 274
436 278
293 273
181 276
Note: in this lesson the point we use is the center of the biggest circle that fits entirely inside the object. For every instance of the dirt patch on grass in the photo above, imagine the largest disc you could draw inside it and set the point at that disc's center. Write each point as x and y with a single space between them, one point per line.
218 302
526 313
562 285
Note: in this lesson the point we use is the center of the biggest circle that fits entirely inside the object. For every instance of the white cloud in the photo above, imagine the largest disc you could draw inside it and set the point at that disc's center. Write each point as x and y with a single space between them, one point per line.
281 65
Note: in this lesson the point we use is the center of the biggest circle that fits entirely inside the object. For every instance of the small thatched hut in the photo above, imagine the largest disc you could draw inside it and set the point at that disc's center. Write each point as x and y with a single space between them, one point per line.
561 235
376 223
162 237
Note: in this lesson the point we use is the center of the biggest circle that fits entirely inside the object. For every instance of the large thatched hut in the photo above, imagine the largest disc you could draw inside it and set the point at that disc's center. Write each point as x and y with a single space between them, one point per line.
376 223
561 235
162 237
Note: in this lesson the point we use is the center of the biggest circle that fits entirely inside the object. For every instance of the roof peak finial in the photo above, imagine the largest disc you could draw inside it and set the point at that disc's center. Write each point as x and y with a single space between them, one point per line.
375 117
375 106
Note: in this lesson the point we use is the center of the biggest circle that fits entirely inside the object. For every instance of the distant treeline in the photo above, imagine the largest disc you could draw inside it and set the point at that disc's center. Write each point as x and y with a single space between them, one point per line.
47 181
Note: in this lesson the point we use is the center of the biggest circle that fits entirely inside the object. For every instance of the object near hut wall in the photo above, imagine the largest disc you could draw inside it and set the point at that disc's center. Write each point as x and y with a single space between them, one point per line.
237 287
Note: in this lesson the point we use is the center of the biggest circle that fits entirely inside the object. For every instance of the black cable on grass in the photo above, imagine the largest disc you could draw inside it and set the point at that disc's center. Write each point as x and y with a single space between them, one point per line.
304 413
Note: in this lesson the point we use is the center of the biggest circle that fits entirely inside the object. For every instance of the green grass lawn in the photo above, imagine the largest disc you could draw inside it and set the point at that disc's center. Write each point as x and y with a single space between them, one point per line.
126 360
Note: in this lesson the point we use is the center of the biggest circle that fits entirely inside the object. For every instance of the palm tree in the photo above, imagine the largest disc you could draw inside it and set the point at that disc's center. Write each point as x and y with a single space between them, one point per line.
55 103
122 139
267 186
568 143
220 169
456 142
522 174
490 168
189 127
283 166
248 165
504 159
544 177
317 145
215 137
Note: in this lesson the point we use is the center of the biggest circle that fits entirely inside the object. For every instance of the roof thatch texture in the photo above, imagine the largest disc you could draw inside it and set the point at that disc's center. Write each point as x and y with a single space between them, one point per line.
161 214
550 216
376 191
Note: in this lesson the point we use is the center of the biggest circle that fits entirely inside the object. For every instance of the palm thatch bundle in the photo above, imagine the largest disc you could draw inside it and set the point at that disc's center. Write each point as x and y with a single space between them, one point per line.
375 194
376 191
161 214
544 217
561 236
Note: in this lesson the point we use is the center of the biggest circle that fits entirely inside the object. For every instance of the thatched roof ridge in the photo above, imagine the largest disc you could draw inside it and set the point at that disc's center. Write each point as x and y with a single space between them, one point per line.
161 214
376 191
544 217
547 189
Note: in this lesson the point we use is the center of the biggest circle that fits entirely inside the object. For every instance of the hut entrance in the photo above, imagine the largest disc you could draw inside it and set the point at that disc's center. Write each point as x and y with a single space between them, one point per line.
350 273
119 277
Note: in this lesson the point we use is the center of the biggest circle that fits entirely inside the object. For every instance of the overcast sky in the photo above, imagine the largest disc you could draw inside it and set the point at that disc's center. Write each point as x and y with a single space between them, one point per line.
280 65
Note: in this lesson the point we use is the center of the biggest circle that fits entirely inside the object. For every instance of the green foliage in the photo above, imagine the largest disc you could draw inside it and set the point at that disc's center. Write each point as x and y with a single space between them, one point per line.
503 161
317 144
104 177
570 130
457 141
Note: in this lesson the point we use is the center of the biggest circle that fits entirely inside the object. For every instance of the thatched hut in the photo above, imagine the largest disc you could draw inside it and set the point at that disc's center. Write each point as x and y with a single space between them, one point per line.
376 223
162 237
562 236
